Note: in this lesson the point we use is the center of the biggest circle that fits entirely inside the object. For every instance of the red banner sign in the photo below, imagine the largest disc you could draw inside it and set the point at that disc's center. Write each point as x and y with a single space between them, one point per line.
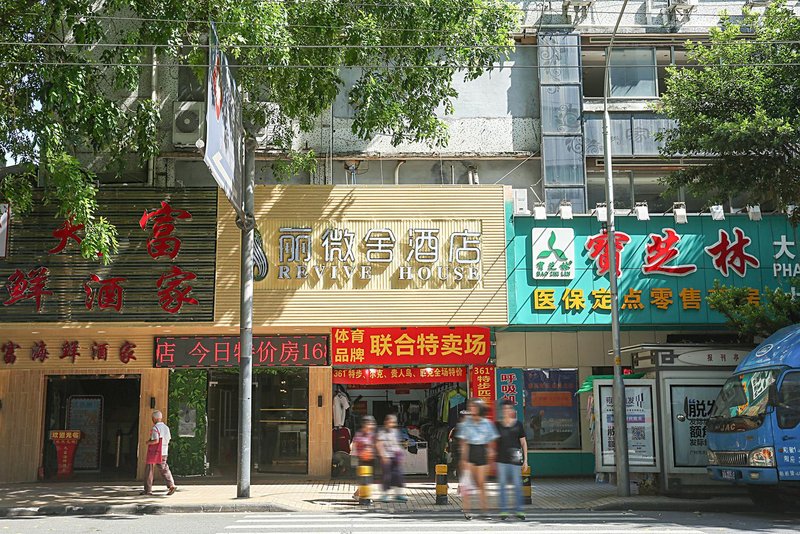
482 386
399 375
410 346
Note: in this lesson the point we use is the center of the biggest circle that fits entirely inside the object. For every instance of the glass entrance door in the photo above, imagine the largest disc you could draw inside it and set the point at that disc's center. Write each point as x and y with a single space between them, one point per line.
281 416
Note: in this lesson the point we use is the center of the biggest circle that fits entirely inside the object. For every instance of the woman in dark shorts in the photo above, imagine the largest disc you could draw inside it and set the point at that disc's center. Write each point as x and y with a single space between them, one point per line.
476 434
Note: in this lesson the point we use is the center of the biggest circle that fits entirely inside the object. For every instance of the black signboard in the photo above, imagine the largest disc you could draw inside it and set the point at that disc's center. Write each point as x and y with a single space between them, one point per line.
164 269
204 352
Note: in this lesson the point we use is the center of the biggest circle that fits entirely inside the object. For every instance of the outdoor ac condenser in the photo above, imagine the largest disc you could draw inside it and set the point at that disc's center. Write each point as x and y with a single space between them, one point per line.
188 124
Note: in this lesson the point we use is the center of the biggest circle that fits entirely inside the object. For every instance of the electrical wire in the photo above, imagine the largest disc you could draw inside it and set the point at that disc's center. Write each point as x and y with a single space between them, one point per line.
541 10
637 44
397 67
522 9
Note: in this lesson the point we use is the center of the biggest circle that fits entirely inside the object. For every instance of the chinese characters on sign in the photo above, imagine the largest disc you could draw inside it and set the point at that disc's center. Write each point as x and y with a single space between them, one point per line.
399 375
28 286
511 387
162 242
224 351
641 424
482 386
662 250
418 253
553 253
410 346
695 403
64 233
104 292
646 263
597 246
70 351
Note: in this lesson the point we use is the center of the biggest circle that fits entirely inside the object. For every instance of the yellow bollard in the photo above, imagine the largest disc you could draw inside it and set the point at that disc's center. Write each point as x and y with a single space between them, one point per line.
441 484
364 484
526 485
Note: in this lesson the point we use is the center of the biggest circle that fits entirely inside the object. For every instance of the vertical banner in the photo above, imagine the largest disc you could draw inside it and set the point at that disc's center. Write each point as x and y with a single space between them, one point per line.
5 223
481 386
511 386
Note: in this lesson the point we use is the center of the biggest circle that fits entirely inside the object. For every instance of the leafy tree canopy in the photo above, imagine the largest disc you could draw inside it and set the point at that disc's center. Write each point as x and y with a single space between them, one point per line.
739 102
68 66
777 309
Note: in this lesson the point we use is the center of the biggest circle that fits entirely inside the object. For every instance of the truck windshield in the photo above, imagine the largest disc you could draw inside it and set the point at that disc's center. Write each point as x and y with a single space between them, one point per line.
744 395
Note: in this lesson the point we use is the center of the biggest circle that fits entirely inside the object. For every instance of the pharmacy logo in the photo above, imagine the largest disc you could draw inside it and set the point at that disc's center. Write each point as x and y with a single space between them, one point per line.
553 253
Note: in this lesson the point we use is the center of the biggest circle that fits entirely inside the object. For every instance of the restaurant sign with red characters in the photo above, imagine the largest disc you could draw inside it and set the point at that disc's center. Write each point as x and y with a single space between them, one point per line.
69 351
164 269
462 345
205 352
558 269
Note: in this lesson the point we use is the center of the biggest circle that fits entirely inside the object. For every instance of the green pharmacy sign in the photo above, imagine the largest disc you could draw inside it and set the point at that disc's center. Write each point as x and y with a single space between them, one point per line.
558 269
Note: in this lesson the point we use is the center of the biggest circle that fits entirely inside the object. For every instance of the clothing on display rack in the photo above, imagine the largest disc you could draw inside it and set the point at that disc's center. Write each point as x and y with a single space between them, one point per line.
341 403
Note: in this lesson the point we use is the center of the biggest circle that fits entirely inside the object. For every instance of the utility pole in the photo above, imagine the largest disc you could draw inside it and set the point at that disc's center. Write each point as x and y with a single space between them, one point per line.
246 323
620 404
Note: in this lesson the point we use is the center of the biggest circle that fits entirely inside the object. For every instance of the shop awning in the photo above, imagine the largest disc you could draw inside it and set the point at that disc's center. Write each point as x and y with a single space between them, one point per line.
588 384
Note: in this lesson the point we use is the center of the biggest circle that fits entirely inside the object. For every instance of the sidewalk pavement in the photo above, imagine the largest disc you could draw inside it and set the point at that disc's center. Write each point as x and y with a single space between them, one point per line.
202 495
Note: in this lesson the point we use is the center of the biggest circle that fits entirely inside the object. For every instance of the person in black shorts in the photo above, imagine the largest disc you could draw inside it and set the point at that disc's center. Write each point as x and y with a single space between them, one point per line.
476 434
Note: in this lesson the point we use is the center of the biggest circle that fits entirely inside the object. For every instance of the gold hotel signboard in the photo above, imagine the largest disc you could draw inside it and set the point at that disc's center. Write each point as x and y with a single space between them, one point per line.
400 255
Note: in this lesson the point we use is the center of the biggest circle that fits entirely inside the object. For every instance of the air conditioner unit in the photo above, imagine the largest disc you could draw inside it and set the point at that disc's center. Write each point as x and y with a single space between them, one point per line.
188 123
521 202
757 3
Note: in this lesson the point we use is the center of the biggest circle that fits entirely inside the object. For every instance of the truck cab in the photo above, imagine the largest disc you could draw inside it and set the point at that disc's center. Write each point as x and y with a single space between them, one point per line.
754 428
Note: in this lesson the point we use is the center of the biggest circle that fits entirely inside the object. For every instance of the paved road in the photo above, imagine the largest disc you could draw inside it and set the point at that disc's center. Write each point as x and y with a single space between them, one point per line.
561 522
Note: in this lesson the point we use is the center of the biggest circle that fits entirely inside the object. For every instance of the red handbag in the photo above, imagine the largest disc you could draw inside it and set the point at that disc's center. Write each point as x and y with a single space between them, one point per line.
154 450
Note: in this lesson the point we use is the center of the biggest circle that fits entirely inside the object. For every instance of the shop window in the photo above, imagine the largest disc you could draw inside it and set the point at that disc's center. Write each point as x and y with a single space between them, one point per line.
633 73
552 411
596 190
789 408
190 88
648 188
639 72
574 195
563 160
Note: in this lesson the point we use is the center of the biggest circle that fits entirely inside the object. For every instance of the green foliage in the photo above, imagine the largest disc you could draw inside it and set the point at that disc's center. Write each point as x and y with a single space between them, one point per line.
187 456
777 309
295 163
65 90
18 190
739 103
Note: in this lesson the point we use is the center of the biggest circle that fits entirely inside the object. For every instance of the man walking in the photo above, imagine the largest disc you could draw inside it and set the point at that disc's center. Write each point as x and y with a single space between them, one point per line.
157 449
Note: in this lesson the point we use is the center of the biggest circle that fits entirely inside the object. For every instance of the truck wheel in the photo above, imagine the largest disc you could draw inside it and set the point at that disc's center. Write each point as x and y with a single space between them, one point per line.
767 500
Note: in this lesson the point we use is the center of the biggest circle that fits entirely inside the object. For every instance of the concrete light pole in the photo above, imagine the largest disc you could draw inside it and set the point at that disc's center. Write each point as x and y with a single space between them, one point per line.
620 411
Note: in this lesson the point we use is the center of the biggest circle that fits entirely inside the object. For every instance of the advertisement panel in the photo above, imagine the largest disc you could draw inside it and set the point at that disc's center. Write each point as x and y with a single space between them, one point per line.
642 455
691 407
430 345
552 413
